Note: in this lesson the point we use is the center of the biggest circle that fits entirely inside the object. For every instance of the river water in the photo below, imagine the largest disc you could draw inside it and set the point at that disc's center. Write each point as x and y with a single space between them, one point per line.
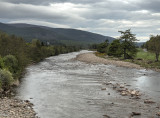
61 87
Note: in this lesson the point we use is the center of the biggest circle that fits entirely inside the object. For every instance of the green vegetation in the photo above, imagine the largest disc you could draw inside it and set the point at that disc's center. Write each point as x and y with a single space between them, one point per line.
102 47
128 46
146 59
6 79
16 54
153 45
125 48
10 63
115 49
144 54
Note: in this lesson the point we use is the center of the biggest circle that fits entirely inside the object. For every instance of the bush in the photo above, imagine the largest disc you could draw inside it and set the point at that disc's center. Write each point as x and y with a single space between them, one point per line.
1 63
11 63
6 79
0 84
115 49
102 47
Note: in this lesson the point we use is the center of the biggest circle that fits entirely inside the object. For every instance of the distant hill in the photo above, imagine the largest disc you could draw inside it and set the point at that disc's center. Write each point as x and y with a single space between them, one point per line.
53 35
139 44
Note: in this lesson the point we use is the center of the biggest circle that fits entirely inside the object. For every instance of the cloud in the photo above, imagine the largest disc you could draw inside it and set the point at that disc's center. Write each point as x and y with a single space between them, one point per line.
47 2
103 16
152 5
43 23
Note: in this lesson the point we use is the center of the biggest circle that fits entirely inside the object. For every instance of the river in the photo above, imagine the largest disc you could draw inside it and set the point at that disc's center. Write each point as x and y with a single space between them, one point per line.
61 87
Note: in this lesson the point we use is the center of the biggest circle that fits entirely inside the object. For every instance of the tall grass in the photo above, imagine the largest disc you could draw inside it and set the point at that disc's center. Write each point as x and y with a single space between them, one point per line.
145 55
146 59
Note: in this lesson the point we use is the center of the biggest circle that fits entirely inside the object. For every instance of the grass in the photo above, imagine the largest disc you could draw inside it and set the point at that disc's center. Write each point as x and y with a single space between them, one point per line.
102 55
145 55
143 58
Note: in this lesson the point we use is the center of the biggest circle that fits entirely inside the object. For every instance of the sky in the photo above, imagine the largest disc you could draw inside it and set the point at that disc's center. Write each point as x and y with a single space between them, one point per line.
105 17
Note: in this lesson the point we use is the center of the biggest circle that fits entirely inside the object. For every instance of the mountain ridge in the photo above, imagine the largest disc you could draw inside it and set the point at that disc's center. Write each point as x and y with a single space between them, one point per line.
53 35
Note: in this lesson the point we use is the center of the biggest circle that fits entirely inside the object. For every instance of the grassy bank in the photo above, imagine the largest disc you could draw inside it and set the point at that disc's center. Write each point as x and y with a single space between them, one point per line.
143 58
146 59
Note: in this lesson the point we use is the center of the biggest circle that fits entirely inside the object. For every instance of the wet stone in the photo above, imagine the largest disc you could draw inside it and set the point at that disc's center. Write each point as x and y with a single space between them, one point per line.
149 102
106 116
158 113
135 114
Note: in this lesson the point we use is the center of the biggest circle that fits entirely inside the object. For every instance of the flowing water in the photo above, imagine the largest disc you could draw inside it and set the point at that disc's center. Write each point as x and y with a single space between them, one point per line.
61 87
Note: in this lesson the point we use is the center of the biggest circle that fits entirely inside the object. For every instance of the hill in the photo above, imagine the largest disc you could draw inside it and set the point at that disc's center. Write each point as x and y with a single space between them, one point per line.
139 44
53 35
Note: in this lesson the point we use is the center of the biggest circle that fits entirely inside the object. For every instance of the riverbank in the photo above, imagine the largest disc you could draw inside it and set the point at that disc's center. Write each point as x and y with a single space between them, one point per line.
11 107
14 108
92 58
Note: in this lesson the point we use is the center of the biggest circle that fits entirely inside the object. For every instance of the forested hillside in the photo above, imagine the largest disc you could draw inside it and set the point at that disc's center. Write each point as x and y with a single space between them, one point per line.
54 35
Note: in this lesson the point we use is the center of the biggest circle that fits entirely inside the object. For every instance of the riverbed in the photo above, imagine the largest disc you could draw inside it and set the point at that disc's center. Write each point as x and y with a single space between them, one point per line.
62 87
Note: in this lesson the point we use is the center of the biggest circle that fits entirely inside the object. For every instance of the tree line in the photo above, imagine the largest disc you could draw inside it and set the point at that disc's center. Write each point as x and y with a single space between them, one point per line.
153 45
16 54
125 46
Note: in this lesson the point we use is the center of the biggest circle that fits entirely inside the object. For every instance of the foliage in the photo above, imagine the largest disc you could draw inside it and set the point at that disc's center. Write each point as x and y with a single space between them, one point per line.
153 45
102 47
93 46
128 45
1 63
145 55
145 59
11 63
16 54
102 55
6 79
0 84
115 49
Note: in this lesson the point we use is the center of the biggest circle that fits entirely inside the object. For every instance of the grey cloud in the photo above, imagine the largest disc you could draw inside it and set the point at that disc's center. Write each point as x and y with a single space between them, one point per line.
46 2
101 16
36 2
14 11
151 5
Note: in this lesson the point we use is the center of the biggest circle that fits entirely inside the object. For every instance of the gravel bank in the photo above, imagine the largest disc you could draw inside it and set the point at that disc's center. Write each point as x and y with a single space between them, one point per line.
126 101
14 108
92 58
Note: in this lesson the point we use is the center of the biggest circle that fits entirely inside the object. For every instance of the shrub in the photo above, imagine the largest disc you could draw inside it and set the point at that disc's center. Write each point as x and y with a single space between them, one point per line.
0 84
1 63
102 47
11 63
6 79
115 49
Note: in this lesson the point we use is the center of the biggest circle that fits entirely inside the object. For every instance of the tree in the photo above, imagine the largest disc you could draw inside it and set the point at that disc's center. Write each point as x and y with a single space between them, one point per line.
102 47
128 45
6 79
1 63
11 63
153 45
115 49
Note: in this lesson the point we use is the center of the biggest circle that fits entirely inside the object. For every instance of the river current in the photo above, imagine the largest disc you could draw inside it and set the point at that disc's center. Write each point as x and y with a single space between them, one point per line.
62 87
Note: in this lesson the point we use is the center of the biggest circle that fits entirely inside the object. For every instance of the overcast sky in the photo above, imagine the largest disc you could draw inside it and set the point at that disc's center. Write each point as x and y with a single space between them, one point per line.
100 16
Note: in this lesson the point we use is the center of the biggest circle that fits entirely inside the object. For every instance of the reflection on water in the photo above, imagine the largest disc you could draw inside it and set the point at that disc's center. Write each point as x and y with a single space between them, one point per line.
63 88
147 82
150 84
